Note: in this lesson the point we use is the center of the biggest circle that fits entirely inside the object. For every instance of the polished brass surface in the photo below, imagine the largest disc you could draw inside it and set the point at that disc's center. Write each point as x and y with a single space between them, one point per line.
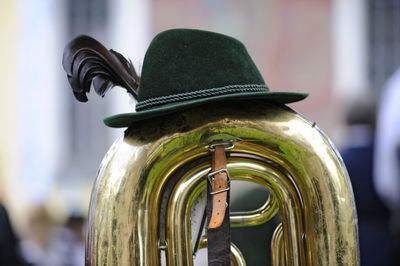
150 178
240 168
256 217
277 247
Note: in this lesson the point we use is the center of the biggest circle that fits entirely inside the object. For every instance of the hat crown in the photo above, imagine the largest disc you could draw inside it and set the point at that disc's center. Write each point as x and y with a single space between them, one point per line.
187 64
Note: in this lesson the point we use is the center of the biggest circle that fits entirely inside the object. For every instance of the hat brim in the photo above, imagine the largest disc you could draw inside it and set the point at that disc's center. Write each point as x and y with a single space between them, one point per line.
126 119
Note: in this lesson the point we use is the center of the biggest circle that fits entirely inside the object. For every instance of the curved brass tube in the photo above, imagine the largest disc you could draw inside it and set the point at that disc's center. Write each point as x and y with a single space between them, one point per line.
178 211
277 247
161 163
255 217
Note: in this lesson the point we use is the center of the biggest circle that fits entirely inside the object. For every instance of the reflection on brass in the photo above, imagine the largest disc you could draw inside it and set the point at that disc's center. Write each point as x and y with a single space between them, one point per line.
277 247
150 178
256 217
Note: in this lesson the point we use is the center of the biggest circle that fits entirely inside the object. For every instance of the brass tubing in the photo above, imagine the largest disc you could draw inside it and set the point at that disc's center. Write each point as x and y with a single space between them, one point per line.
191 184
320 222
255 217
277 247
178 231
179 211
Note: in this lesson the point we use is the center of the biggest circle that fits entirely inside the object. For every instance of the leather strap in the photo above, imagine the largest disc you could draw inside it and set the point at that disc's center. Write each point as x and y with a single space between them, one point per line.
219 188
218 211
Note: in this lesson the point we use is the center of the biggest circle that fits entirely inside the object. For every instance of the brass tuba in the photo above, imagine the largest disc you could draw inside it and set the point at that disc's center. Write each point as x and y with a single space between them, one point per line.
146 187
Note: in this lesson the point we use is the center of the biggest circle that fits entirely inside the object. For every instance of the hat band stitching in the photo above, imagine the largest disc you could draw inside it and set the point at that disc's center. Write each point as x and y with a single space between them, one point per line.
200 94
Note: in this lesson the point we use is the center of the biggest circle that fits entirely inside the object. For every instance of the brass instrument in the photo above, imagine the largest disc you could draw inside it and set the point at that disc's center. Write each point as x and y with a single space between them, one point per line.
149 180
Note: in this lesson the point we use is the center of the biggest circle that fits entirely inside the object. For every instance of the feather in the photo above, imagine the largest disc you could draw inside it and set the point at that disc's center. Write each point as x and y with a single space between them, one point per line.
87 61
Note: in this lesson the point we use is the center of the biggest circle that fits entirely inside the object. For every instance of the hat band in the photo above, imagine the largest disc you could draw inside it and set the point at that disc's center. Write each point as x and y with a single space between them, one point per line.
200 94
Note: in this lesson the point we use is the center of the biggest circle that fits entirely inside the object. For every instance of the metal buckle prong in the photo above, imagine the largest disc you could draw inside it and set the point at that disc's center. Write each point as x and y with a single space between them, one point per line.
219 191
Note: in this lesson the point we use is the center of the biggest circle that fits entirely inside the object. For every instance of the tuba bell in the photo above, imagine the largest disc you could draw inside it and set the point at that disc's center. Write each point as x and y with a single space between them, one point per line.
148 181
150 187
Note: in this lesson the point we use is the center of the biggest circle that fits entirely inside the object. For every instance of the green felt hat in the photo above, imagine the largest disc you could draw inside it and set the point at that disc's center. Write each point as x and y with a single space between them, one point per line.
184 68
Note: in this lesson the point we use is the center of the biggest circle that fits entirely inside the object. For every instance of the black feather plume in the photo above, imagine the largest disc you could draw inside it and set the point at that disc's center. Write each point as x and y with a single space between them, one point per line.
86 60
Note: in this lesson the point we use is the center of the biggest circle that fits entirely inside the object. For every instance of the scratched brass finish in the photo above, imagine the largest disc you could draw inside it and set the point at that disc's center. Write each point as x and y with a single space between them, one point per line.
274 147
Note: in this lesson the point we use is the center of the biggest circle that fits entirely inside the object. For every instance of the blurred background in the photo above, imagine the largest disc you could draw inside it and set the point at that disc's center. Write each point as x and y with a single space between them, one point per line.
340 51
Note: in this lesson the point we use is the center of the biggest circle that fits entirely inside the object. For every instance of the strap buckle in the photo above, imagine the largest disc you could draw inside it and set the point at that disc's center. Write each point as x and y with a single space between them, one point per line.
162 245
210 178
227 145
